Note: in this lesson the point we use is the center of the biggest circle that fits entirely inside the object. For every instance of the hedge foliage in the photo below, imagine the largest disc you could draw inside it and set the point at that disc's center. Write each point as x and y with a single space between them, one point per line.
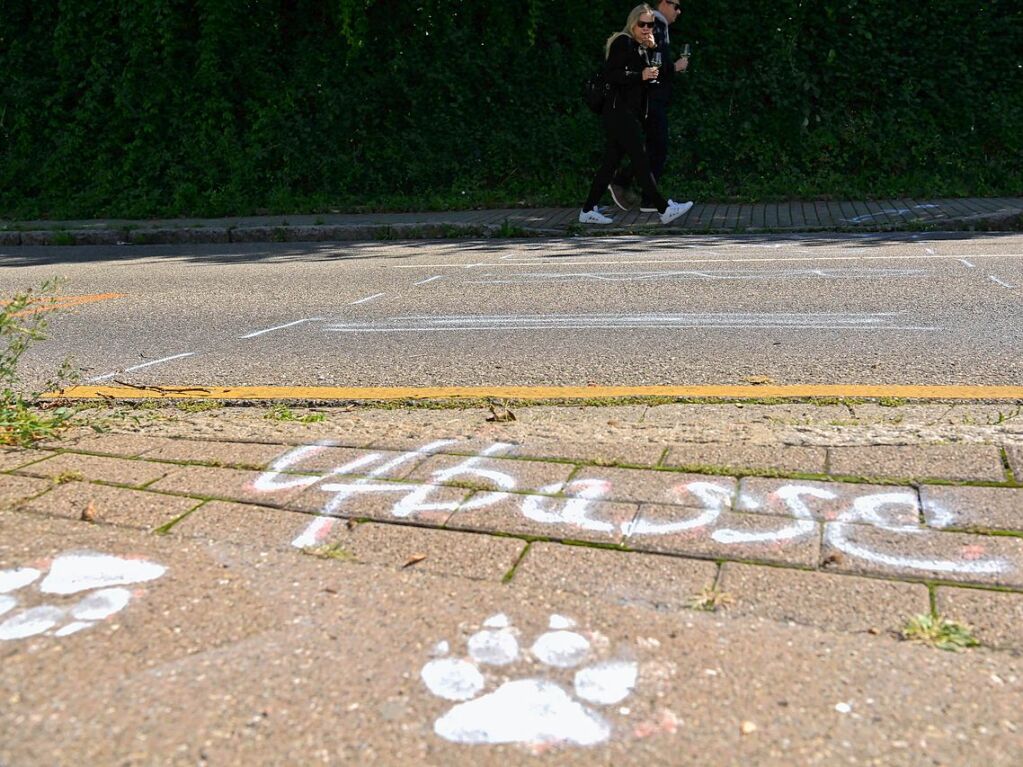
163 107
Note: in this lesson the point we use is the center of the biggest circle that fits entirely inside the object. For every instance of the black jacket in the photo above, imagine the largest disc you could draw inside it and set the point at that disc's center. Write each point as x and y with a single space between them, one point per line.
624 70
660 89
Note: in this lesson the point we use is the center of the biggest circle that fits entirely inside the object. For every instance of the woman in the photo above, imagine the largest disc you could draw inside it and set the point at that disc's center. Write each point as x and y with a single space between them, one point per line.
627 69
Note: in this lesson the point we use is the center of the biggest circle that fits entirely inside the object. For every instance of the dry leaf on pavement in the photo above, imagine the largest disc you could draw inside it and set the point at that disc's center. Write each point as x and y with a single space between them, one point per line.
500 414
413 560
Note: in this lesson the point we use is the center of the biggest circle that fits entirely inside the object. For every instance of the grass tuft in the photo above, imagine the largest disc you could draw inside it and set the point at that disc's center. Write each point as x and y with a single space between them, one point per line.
285 413
711 600
943 633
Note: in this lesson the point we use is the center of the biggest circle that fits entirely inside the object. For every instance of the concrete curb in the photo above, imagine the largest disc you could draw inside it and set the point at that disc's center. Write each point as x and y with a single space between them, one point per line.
982 215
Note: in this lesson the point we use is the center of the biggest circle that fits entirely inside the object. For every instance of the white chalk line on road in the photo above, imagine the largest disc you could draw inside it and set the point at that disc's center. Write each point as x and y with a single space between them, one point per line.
139 367
281 327
751 275
367 299
1003 284
622 327
562 263
821 321
429 279
966 263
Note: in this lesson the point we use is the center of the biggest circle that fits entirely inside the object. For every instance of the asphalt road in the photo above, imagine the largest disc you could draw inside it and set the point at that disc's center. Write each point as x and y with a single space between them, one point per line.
874 309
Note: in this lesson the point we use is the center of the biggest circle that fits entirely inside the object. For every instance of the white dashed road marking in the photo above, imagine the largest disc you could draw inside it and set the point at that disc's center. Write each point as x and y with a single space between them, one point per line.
367 299
281 327
1003 284
139 367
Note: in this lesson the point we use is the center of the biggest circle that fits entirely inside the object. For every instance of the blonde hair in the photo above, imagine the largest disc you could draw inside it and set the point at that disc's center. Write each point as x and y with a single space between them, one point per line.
630 22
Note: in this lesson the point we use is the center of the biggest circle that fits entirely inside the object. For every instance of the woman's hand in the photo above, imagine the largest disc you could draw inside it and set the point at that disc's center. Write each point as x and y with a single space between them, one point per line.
682 64
650 73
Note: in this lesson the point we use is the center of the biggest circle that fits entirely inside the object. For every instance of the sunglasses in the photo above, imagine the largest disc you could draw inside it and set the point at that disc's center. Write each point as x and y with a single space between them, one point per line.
676 6
645 24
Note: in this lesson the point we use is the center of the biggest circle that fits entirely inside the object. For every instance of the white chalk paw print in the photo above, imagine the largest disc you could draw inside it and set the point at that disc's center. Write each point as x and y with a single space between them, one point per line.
82 589
532 711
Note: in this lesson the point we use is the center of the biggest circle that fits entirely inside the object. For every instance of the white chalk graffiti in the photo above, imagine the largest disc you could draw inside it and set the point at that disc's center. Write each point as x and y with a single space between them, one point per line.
869 510
528 711
101 575
696 507
343 491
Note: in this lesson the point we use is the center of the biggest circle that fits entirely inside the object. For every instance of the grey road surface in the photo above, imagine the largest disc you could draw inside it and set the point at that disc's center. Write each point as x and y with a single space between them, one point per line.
868 309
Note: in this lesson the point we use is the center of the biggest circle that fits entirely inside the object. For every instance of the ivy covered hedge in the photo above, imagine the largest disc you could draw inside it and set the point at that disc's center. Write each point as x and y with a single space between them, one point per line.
163 107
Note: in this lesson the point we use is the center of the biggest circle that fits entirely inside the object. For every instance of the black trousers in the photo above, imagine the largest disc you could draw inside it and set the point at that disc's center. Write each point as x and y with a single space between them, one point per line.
624 136
656 130
657 137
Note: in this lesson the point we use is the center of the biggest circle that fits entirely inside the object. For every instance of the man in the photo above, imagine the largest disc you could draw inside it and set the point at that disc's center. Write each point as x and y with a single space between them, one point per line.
658 99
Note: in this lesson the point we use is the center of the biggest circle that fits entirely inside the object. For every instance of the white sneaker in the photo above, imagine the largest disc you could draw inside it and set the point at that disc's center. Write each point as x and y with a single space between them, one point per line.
675 210
594 217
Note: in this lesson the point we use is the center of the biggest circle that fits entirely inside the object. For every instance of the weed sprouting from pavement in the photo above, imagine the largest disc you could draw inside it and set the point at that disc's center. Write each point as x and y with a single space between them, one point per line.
68 476
23 319
198 405
891 402
943 633
711 600
285 413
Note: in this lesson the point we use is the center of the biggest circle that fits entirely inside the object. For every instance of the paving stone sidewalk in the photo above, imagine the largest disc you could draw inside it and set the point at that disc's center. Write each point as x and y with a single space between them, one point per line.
790 513
983 214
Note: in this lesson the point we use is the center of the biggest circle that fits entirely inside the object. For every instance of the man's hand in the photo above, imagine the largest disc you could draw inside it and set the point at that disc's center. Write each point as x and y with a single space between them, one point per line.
682 64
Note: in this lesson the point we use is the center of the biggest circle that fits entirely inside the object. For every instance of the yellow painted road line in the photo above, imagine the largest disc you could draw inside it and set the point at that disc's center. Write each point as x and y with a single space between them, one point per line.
349 394
55 303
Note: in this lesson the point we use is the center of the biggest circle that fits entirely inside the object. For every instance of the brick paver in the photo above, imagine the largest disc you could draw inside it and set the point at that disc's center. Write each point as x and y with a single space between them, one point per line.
662 581
824 501
241 454
978 509
91 467
443 552
545 517
14 489
955 462
957 557
13 459
493 473
345 461
1015 456
595 451
809 460
243 524
995 617
753 537
636 485
111 505
842 603
228 484
126 445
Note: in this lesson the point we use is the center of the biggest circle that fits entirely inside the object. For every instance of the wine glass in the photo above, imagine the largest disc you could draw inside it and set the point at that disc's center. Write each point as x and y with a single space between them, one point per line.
655 62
